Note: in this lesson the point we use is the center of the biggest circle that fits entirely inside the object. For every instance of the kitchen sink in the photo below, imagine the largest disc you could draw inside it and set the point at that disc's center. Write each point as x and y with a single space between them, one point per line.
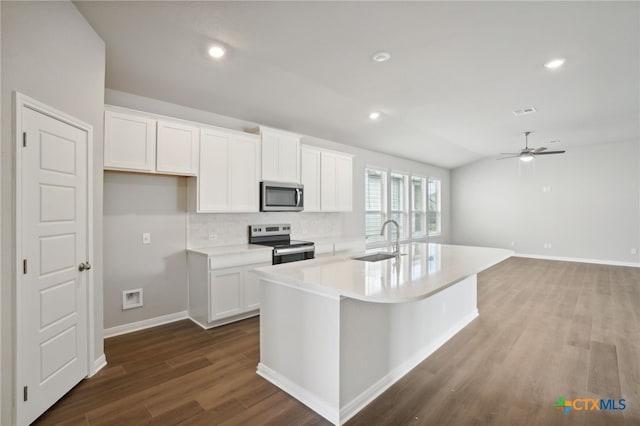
375 257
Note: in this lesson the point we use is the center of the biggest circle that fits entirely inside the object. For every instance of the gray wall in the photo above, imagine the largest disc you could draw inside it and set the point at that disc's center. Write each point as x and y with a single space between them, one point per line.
591 212
133 204
50 53
127 215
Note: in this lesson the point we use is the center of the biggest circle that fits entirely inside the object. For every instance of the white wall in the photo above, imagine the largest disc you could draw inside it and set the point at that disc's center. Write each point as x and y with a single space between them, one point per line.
591 212
50 53
164 193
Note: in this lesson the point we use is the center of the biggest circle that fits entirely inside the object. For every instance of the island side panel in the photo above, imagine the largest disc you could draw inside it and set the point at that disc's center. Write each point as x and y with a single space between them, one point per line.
381 342
299 345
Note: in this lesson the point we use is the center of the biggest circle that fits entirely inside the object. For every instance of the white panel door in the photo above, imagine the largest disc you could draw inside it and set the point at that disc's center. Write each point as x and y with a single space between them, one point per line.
328 196
226 287
54 243
213 179
129 142
244 166
310 177
177 148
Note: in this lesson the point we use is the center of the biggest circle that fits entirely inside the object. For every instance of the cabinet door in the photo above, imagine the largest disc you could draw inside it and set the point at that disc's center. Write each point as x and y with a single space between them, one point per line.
289 158
252 288
177 148
244 166
344 187
213 179
328 197
226 288
270 156
310 178
129 142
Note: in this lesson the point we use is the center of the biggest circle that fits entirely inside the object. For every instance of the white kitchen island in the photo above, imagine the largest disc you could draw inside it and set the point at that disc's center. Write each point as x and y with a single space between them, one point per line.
337 332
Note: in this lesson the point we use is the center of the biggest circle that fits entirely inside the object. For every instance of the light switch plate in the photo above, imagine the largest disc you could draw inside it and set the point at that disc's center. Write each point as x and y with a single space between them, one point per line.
146 238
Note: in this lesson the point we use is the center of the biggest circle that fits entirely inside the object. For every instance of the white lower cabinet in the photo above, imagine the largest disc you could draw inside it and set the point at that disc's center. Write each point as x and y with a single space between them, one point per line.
225 293
220 295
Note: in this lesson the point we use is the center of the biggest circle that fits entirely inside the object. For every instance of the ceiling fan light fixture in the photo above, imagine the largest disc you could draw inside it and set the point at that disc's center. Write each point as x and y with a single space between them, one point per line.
555 63
526 158
374 115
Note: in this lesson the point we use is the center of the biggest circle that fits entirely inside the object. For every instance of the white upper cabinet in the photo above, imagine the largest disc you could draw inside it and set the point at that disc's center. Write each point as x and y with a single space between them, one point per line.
142 142
310 177
280 155
129 142
327 177
229 175
177 148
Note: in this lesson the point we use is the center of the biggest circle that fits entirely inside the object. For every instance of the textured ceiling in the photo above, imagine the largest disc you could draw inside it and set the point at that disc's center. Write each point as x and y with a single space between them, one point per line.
457 70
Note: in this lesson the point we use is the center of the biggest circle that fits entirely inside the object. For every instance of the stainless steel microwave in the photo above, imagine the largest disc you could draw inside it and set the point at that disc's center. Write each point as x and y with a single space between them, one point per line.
281 197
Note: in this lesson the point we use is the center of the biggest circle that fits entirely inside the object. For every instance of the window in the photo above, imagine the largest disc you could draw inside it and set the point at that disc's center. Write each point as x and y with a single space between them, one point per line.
400 203
435 207
375 203
418 207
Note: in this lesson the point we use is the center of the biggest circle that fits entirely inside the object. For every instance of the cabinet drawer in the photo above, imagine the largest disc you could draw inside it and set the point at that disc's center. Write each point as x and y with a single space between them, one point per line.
239 259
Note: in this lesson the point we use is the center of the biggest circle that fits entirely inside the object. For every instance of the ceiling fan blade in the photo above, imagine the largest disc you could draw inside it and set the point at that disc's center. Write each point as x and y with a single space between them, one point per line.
510 153
511 156
539 150
550 152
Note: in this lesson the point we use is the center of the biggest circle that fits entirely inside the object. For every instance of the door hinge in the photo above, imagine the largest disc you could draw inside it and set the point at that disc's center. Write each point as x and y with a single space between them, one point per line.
25 393
24 266
24 139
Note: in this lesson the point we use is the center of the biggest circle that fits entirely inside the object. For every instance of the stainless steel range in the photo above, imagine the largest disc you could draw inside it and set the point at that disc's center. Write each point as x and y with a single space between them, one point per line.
285 250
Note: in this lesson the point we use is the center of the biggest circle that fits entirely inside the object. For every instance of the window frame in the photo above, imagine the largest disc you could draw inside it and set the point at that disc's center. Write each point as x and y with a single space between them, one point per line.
438 210
379 242
425 211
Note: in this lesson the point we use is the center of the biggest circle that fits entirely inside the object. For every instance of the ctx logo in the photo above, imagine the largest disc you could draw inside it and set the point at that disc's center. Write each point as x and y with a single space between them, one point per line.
589 404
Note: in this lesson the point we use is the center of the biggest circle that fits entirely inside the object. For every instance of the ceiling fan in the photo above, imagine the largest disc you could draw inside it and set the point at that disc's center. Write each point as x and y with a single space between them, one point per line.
527 154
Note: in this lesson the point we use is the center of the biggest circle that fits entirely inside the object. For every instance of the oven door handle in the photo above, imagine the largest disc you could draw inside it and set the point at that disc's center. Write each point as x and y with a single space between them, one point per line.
294 250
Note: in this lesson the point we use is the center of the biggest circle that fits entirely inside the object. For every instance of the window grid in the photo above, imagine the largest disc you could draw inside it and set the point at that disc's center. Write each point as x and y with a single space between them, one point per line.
375 204
419 207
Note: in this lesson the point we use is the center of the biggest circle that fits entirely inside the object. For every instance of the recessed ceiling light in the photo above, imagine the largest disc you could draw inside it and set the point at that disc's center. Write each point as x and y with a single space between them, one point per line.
217 51
555 63
374 115
381 56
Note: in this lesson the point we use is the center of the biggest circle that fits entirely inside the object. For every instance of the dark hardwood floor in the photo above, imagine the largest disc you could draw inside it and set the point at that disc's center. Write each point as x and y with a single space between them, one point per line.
546 329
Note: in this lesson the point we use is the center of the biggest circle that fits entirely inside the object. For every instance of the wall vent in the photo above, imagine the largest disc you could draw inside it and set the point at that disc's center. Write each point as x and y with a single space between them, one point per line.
524 111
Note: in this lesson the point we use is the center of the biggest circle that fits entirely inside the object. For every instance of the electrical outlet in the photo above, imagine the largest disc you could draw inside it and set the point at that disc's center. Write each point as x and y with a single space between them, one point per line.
634 251
213 236
146 238
546 245
512 243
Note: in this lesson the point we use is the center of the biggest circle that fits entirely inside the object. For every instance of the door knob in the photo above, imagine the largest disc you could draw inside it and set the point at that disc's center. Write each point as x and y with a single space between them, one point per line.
87 266
82 267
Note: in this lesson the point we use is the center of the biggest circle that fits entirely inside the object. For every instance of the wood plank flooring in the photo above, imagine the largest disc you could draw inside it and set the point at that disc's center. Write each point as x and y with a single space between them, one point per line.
546 329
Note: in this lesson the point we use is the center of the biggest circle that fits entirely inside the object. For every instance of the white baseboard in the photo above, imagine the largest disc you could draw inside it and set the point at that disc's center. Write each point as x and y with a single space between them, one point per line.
339 416
98 365
365 398
301 394
141 325
579 259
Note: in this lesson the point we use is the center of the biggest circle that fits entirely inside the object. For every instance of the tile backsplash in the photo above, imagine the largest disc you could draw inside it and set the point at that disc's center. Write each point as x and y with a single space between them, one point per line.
223 229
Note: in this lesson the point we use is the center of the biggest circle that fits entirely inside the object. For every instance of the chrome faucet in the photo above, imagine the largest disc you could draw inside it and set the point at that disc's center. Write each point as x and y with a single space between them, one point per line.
396 248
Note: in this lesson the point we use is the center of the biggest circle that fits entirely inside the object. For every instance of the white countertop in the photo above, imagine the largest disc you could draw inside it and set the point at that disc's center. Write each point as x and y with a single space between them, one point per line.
423 270
224 250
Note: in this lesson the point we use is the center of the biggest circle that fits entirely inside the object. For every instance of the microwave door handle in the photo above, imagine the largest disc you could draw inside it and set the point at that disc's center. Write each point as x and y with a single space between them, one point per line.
297 197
